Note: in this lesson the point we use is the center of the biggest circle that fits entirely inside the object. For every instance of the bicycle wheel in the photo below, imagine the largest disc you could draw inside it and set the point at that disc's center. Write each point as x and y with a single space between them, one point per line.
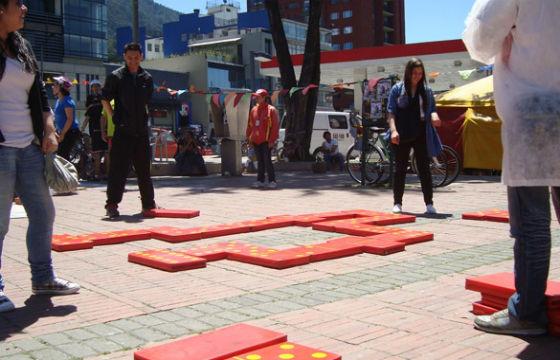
374 164
453 164
438 168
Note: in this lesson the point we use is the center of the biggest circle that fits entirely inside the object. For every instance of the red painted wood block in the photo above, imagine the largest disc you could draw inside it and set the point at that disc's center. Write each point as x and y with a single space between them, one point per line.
479 308
476 215
118 236
337 215
223 230
326 251
388 219
167 260
272 258
266 224
212 252
215 345
554 329
365 213
494 302
496 215
408 237
171 213
362 230
502 285
287 350
325 225
307 220
65 242
176 235
381 245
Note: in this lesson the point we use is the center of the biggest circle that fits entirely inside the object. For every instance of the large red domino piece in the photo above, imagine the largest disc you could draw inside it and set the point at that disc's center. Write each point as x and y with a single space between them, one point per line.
407 237
325 251
171 213
267 257
287 350
496 215
358 229
175 235
167 260
502 285
480 308
223 230
215 345
65 242
381 245
118 236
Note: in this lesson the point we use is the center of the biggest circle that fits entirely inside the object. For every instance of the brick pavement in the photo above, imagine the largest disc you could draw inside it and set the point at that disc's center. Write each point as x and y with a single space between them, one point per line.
409 305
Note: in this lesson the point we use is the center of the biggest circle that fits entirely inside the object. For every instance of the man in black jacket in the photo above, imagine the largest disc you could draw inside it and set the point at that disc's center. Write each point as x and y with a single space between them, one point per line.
131 88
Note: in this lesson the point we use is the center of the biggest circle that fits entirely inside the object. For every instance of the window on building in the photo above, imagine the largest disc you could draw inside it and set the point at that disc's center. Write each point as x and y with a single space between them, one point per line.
347 14
348 30
149 47
268 46
347 45
156 48
334 16
335 31
336 46
184 37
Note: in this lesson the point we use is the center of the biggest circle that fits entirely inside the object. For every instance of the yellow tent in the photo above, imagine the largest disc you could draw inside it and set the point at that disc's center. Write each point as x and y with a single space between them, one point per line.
481 133
479 93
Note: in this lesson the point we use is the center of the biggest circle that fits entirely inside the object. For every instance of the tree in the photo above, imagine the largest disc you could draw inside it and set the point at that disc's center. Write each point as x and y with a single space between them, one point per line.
300 108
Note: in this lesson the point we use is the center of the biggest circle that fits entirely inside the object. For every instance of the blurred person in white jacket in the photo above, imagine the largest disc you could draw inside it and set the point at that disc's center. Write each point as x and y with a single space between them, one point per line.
521 38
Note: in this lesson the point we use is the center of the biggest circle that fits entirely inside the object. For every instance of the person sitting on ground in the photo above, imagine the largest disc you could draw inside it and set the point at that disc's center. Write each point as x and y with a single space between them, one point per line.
189 160
330 149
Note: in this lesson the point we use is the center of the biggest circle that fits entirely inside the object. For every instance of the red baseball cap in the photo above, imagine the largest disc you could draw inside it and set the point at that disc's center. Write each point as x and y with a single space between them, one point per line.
261 92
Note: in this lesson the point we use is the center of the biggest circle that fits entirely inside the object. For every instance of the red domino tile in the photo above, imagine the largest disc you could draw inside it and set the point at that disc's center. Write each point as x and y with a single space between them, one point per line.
223 230
266 224
476 215
325 225
479 308
65 242
407 237
287 350
488 215
171 213
502 285
175 235
336 215
388 219
272 258
362 230
219 344
167 260
118 236
212 252
326 251
381 245
307 220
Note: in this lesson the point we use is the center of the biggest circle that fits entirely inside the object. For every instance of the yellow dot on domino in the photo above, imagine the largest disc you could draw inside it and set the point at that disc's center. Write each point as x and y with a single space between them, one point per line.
253 357
319 355
286 356
287 346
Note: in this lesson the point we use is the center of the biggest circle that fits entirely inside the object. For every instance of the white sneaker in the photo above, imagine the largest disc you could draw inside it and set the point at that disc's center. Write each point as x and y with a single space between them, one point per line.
5 303
272 185
258 185
430 209
397 209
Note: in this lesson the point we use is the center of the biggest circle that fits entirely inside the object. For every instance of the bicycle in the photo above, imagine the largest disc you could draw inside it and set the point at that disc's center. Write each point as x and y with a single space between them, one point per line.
80 156
445 168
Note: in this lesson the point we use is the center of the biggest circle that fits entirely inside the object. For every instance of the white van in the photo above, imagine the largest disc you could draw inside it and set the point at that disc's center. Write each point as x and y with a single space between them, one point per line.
337 123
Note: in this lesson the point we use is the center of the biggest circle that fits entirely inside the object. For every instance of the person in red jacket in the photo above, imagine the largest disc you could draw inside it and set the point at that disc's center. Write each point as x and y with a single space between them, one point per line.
262 133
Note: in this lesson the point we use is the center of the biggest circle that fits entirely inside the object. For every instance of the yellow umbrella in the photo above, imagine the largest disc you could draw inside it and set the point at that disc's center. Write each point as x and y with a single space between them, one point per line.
479 93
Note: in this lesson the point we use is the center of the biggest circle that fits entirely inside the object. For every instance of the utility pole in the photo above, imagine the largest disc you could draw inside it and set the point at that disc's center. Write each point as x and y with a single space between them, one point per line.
135 31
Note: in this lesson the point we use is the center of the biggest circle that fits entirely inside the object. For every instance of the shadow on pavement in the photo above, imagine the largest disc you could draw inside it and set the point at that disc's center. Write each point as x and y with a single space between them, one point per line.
546 347
36 307
429 216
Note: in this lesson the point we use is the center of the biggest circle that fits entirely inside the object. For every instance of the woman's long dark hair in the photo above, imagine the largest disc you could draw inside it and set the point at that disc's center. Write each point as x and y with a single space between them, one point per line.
17 46
421 89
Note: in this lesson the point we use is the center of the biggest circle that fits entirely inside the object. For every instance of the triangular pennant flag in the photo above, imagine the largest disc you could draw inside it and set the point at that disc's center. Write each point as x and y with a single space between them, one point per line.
309 87
172 92
208 98
229 98
237 99
181 92
486 67
49 81
75 82
222 98
372 83
192 89
294 90
465 74
216 99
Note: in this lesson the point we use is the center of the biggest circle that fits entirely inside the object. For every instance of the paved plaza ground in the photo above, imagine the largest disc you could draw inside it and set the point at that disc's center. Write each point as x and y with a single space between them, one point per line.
408 305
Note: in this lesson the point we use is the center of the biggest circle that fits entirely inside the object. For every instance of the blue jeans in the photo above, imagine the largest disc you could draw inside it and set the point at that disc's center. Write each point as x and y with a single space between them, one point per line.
22 171
529 214
330 159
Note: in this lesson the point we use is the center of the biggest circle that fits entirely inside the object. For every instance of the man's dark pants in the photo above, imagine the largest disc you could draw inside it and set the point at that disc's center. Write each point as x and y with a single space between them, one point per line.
529 213
264 161
127 149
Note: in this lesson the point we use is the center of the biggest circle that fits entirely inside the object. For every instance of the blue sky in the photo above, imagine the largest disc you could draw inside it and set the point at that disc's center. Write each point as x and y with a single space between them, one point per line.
426 20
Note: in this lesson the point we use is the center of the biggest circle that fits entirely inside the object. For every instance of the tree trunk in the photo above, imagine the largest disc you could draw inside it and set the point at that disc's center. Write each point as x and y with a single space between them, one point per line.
299 108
